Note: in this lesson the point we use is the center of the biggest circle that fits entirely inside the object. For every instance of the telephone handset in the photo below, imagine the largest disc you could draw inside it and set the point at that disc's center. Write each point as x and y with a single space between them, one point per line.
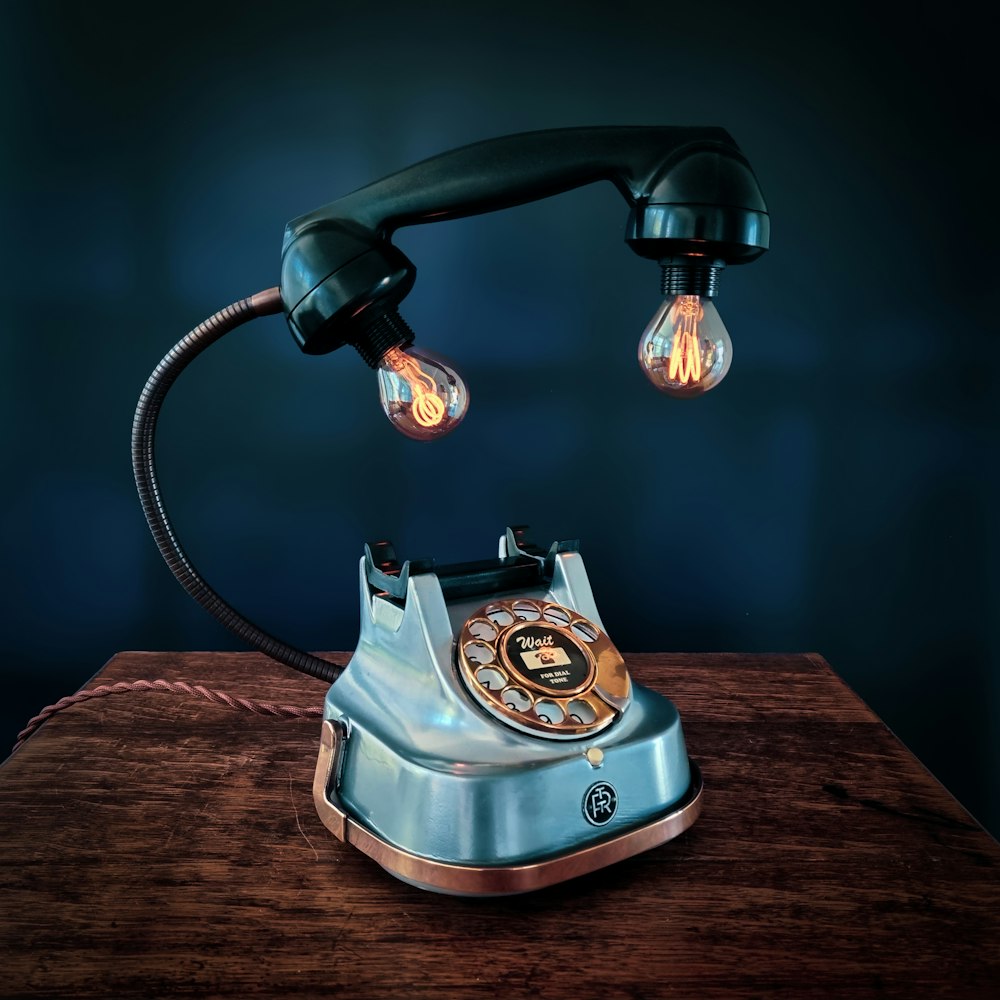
486 738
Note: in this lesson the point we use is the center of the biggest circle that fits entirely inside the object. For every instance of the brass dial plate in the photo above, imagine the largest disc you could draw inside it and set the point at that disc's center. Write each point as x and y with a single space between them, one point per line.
542 668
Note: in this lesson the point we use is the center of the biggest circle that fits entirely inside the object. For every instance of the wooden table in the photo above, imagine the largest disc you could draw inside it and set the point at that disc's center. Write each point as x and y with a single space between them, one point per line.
155 845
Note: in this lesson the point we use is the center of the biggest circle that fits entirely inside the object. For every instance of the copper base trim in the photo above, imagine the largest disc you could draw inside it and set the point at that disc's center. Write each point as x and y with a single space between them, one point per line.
494 880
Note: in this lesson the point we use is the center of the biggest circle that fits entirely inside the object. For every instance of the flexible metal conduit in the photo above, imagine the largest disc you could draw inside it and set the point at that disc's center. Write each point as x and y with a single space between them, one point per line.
144 466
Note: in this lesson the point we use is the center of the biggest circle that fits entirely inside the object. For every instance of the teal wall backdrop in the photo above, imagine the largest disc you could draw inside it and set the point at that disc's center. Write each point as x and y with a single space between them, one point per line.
839 492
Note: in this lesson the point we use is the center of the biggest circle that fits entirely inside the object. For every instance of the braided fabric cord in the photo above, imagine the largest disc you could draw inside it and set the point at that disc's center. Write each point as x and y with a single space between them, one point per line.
170 687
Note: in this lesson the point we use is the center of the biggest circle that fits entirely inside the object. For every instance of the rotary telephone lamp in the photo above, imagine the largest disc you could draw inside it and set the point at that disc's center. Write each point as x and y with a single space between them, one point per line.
486 738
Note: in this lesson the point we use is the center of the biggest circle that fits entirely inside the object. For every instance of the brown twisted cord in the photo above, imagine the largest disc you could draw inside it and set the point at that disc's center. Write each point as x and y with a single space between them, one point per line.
170 687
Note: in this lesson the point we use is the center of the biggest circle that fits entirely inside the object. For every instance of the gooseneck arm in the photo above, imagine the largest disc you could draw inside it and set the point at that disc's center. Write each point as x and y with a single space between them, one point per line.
147 482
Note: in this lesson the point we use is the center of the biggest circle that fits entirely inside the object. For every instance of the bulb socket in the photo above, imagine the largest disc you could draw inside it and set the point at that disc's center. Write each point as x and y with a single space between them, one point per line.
687 277
381 335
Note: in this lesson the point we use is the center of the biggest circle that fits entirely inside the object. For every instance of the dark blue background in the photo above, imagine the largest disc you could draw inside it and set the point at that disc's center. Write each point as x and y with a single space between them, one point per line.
838 493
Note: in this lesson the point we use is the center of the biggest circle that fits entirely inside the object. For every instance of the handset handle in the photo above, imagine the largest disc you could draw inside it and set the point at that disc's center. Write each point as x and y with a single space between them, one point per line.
516 169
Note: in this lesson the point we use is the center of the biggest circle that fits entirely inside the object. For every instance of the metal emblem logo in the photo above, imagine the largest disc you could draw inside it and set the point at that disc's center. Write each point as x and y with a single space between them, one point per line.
600 803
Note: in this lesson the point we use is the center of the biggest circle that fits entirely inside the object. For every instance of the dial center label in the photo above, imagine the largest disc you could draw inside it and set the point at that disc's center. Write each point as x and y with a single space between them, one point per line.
547 658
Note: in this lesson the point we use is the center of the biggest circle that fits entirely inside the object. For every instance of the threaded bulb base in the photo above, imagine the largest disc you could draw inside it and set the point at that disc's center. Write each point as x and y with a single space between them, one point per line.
382 334
690 279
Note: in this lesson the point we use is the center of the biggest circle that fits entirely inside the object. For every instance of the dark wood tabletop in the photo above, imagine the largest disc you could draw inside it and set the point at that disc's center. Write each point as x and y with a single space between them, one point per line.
156 845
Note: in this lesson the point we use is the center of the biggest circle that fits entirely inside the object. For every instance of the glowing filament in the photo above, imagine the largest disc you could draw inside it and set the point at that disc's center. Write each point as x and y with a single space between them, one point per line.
427 408
685 354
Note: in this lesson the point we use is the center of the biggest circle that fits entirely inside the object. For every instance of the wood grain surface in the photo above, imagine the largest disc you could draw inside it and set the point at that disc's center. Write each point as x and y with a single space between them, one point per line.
154 845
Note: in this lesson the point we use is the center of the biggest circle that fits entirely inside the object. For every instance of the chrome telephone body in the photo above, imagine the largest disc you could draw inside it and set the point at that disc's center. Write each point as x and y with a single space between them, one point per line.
551 764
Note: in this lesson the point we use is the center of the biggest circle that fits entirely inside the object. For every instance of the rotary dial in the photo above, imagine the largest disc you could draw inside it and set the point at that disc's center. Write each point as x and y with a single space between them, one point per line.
542 668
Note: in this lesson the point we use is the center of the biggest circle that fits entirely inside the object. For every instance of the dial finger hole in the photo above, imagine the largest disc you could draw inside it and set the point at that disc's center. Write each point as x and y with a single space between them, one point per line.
549 712
479 652
482 630
582 712
527 611
584 630
490 678
516 700
558 616
500 616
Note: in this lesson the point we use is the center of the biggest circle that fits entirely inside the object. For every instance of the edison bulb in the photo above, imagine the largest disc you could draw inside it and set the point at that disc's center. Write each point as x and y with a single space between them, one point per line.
423 395
686 349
